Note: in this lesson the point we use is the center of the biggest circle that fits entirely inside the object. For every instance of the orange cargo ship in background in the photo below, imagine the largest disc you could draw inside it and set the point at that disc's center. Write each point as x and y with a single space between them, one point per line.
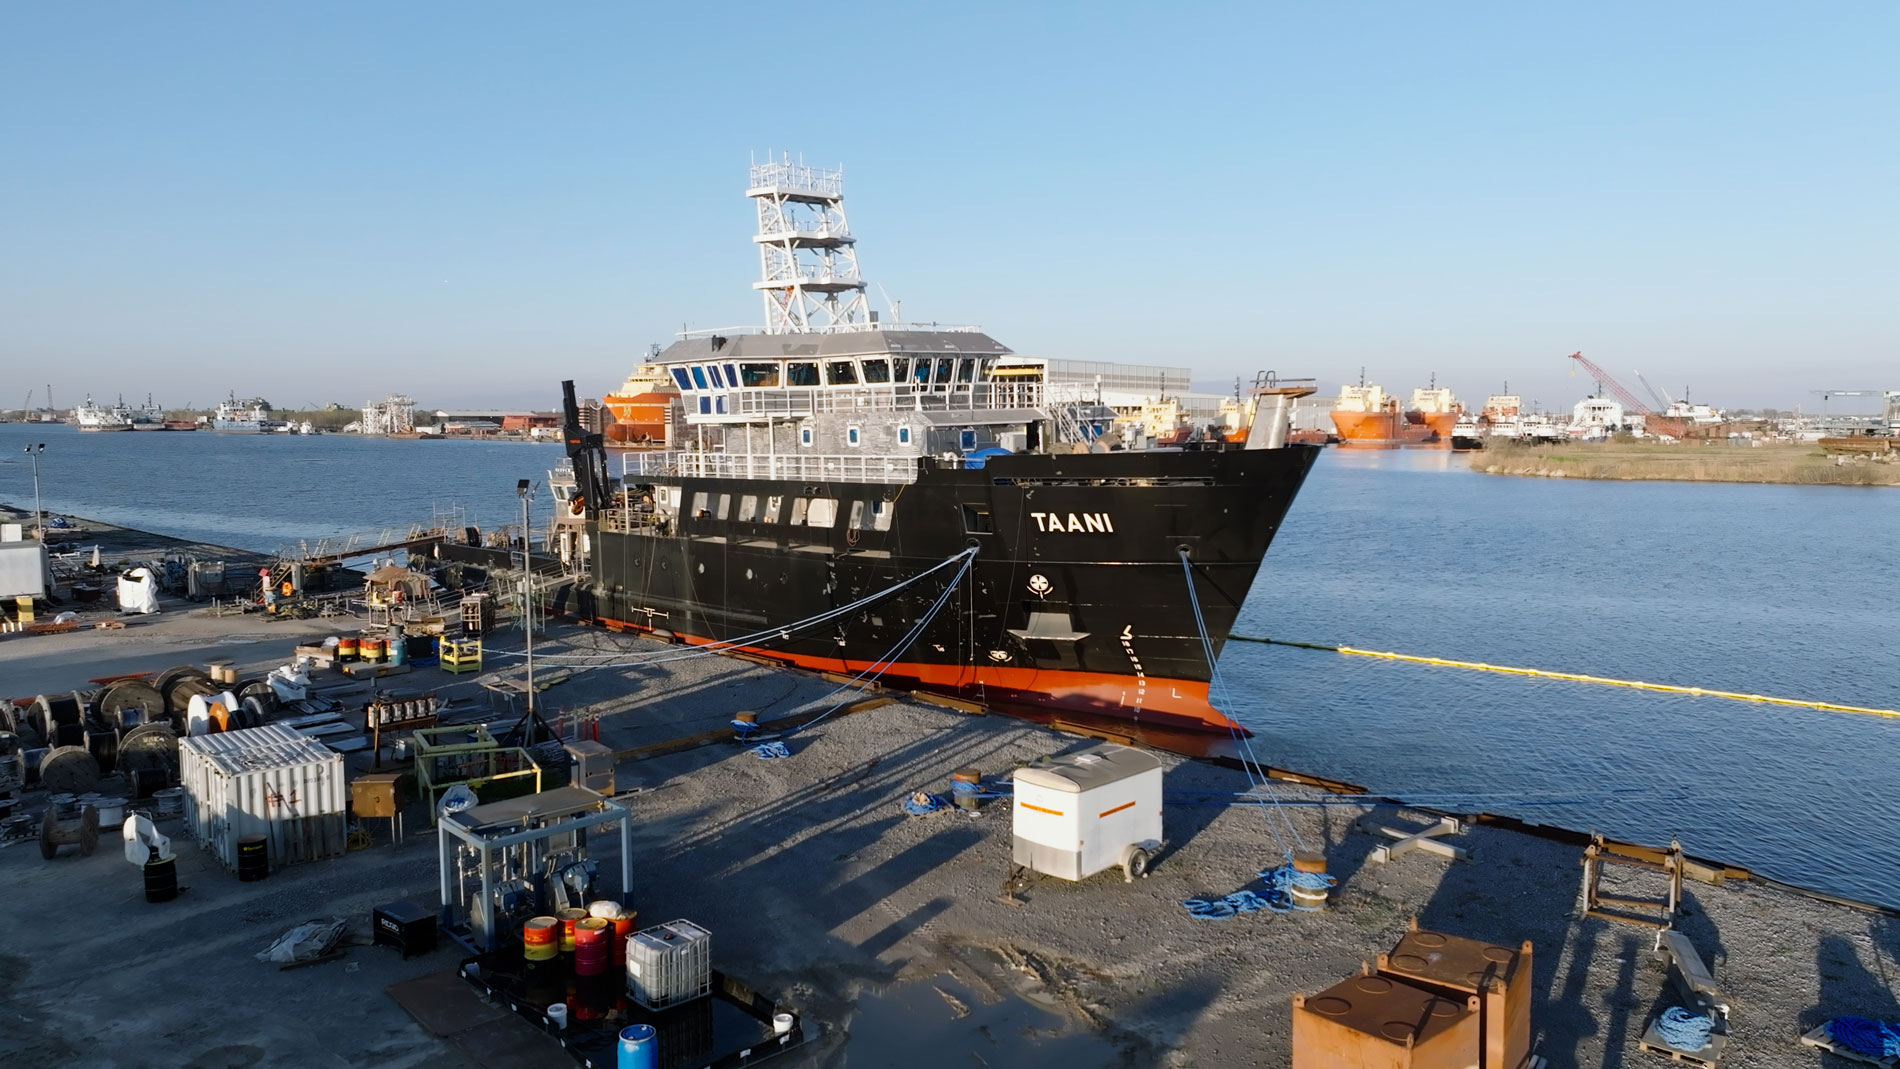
639 407
1366 415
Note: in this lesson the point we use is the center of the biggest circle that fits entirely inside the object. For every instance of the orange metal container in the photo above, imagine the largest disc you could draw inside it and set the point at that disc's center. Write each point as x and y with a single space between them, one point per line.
1456 967
570 918
1374 1022
540 939
623 927
371 649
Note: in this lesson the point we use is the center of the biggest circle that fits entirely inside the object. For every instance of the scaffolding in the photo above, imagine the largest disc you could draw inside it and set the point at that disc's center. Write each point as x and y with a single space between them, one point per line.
808 259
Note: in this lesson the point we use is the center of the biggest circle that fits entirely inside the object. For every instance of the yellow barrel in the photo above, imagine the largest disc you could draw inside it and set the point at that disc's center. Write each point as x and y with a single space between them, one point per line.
371 649
570 918
540 939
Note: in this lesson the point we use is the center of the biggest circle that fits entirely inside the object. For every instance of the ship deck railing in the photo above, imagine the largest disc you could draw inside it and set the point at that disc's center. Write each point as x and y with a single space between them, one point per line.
886 397
856 468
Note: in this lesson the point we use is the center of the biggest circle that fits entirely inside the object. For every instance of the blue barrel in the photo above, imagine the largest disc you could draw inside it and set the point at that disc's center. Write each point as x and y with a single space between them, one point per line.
397 654
639 1047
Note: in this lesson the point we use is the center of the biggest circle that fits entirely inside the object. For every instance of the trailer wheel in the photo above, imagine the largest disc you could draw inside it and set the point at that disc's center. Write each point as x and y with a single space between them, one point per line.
1135 864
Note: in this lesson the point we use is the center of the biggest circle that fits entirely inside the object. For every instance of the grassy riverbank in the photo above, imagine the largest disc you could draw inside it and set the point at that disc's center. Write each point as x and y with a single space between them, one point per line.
1796 463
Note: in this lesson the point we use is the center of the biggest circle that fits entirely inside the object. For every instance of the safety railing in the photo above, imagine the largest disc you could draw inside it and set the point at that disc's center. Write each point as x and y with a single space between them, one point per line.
822 467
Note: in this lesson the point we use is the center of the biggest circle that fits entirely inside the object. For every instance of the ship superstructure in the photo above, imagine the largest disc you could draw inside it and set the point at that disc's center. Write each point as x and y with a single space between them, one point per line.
1008 554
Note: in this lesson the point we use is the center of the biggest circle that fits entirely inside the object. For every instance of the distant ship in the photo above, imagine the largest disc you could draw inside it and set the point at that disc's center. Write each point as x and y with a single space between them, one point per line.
245 417
91 417
640 407
1366 415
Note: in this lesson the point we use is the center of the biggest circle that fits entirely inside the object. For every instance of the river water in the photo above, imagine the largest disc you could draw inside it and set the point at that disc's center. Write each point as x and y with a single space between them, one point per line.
1776 590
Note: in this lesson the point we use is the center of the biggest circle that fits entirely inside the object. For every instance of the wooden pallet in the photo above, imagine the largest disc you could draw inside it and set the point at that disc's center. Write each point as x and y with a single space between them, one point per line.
1820 1038
1653 1042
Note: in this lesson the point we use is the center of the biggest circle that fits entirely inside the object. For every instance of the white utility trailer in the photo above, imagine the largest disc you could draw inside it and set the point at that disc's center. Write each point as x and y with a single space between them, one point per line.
1083 812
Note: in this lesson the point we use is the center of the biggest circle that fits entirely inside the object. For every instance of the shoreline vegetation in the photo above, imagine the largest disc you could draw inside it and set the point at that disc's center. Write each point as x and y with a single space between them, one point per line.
1792 463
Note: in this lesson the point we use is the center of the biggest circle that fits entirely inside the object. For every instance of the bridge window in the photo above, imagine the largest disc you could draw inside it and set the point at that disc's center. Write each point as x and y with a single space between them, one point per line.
705 406
900 370
945 367
823 512
699 376
966 439
679 376
966 370
758 374
718 380
799 373
732 374
851 434
877 371
841 373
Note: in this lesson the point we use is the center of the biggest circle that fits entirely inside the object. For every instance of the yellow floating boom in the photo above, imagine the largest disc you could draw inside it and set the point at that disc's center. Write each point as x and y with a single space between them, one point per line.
1573 677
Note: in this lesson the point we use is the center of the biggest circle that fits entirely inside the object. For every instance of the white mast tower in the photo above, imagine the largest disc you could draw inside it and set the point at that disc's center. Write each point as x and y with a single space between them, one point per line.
807 257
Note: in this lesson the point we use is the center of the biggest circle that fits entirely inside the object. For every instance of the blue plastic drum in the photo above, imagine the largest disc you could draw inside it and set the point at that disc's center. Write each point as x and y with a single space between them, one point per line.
639 1047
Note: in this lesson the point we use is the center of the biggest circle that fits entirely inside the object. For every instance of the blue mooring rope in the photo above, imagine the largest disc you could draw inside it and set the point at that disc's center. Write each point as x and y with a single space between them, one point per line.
1220 908
923 803
771 751
1862 1035
1278 897
1684 1030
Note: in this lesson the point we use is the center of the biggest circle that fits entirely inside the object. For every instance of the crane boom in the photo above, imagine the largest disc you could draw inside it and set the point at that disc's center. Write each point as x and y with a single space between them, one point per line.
1662 396
1630 401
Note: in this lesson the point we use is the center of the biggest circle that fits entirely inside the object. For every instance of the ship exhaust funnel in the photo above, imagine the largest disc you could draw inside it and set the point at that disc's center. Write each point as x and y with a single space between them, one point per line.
1272 408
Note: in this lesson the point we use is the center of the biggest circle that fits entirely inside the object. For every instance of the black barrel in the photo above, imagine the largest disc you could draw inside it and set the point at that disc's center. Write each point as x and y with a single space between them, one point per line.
161 880
253 858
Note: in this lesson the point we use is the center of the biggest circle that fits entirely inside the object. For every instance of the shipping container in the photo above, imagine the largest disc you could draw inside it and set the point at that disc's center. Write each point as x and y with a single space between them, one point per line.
267 781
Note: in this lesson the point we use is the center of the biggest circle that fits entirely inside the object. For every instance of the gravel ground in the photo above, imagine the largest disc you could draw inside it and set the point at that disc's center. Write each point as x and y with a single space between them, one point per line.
819 888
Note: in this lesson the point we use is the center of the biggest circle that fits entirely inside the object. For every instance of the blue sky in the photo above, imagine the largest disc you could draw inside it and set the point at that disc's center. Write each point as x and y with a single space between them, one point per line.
468 202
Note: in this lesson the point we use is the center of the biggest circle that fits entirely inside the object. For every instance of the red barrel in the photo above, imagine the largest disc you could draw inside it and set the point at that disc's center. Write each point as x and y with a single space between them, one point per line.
623 927
540 939
569 918
593 943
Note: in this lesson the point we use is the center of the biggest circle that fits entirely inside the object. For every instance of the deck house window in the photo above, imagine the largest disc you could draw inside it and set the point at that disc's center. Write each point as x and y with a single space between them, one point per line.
851 434
773 508
748 508
966 370
903 435
900 370
699 376
823 512
798 511
679 376
718 380
804 436
732 374
699 503
758 374
841 373
799 373
725 506
876 371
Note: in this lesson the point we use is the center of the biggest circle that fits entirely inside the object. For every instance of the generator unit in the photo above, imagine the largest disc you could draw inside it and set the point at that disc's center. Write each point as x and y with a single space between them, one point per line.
1084 812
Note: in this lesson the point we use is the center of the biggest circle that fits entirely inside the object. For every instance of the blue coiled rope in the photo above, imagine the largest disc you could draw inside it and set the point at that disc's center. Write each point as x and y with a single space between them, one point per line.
982 790
1221 908
771 751
744 729
923 804
1684 1030
1862 1035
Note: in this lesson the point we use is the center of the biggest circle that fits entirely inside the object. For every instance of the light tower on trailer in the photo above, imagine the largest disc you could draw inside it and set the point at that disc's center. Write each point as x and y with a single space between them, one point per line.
808 260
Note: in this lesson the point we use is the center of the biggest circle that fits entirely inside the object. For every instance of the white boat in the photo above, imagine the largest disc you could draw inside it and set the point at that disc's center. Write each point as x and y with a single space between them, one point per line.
91 417
245 417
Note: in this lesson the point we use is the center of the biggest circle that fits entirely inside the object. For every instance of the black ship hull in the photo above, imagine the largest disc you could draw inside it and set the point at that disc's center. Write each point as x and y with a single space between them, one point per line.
1076 598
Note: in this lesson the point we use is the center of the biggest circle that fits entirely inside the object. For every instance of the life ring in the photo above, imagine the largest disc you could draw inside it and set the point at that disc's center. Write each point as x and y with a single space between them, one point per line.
577 506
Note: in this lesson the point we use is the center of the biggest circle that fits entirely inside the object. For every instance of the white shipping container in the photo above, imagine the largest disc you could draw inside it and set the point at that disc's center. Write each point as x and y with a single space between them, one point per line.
1087 811
266 781
22 570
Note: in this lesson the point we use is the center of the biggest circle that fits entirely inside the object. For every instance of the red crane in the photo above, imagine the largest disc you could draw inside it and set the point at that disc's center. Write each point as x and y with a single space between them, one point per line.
1607 381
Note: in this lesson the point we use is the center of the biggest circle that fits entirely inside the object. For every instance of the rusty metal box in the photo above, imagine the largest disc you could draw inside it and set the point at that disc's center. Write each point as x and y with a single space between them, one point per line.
1376 1022
593 766
376 794
1456 967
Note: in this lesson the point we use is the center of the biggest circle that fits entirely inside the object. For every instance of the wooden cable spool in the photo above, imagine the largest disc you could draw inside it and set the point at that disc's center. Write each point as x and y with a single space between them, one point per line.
102 741
51 711
168 682
127 694
68 735
150 746
69 770
82 830
178 699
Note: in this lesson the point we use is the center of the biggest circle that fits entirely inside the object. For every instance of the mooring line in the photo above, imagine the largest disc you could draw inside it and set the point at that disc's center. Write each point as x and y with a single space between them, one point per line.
1573 677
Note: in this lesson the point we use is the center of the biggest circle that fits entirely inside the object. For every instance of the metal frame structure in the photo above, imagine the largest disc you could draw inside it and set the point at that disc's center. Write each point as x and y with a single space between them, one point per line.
808 261
530 821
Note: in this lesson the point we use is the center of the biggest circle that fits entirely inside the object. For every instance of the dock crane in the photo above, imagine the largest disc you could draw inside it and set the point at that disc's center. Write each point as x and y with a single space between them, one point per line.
1606 381
1662 396
27 408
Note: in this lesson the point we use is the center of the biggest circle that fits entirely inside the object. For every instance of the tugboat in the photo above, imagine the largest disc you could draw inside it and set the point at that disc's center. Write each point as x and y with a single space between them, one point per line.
909 503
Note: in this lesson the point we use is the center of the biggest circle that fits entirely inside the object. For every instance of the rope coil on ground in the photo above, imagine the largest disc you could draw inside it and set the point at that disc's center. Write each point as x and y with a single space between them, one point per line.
1283 881
1684 1030
1863 1035
771 751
